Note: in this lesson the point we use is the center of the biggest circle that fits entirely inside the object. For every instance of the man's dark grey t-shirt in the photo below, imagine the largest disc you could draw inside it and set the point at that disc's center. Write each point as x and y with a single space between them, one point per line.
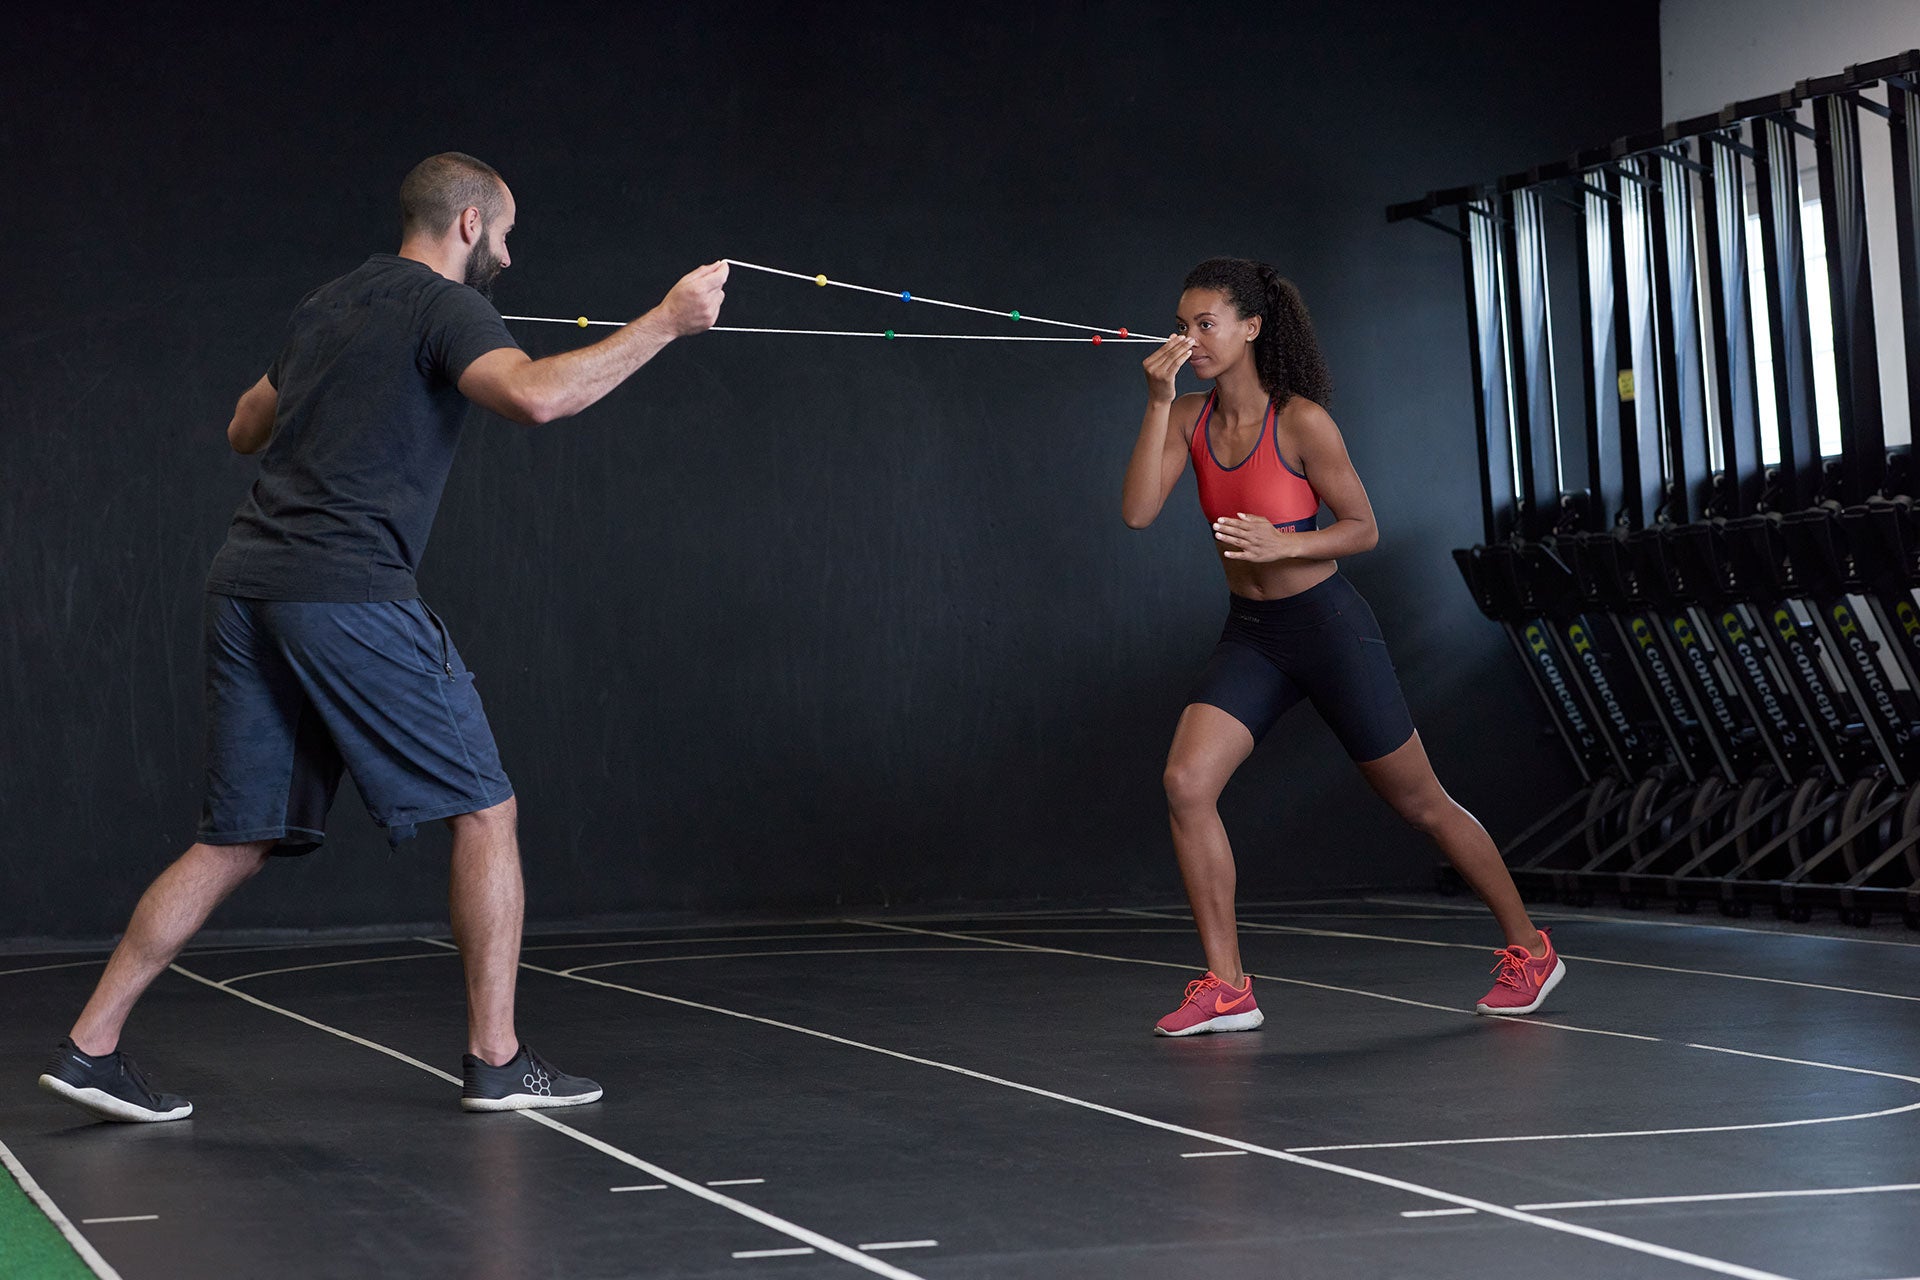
365 433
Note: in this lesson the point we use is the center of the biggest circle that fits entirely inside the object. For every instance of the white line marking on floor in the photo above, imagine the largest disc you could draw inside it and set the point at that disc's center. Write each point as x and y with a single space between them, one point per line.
132 1217
1356 895
1806 1062
1562 1026
338 964
1700 1261
737 1182
748 955
824 1244
1337 915
1568 955
81 1245
1677 1131
1556 1137
395 1054
999 932
44 968
1264 977
1077 913
645 1186
1661 1133
381 939
1037 913
771 1253
1434 1213
1623 1133
1202 1155
1799 934
1383 1146
787 922
1724 1195
606 964
680 942
877 1246
1350 900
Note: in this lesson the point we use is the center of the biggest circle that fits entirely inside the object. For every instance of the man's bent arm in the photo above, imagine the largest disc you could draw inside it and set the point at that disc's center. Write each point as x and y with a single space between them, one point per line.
252 424
531 391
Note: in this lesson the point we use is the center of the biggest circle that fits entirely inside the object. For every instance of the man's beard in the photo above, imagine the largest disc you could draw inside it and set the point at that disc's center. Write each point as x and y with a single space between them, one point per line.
482 268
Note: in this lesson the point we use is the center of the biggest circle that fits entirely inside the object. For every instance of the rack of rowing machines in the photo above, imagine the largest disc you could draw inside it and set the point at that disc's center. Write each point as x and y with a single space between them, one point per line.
1728 702
1719 617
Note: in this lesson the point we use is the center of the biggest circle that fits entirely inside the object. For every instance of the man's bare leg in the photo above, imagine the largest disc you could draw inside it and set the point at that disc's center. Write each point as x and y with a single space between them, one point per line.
487 902
171 911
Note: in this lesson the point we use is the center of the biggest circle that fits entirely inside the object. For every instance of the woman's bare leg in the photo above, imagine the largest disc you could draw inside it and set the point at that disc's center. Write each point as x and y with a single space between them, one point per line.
1208 745
1404 779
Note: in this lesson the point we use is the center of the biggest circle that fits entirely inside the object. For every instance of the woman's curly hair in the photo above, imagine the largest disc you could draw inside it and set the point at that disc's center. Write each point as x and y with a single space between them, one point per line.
1286 354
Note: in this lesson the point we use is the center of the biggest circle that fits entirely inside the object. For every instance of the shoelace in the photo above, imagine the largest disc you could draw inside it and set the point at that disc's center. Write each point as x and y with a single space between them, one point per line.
1510 967
132 1072
1198 985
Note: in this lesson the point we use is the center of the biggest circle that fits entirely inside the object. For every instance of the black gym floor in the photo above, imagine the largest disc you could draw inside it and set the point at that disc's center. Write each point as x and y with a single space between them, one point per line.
980 1096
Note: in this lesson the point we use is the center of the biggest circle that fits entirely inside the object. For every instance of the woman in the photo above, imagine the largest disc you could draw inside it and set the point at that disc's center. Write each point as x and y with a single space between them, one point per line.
1266 456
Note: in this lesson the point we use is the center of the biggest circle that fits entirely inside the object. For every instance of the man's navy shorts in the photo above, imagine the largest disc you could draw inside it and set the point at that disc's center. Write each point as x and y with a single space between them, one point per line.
298 691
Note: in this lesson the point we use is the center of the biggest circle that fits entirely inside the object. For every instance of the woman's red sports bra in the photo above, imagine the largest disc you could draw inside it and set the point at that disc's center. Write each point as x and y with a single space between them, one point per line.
1261 484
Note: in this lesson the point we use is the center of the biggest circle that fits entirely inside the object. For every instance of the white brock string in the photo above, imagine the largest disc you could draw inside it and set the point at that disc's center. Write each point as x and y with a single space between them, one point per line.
1107 335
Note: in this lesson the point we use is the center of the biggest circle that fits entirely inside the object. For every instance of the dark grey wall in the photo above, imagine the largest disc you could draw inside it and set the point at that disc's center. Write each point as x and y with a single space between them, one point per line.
783 621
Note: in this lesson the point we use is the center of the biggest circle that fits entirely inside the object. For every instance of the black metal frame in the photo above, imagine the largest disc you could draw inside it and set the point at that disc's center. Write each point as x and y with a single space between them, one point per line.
1763 747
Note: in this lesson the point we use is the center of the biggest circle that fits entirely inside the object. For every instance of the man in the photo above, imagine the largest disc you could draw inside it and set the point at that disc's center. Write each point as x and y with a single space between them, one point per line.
320 654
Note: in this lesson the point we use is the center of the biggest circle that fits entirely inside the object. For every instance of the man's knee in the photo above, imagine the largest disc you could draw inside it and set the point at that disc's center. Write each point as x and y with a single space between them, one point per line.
241 861
499 819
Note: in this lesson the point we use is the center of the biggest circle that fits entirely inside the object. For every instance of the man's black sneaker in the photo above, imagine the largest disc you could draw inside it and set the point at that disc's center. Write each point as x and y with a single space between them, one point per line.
109 1086
522 1084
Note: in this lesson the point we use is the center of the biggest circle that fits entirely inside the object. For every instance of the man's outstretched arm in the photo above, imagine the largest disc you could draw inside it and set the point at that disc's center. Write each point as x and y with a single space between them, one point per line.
536 391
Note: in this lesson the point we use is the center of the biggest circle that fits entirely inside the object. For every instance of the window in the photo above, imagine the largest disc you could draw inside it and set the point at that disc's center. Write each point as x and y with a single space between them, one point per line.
1826 393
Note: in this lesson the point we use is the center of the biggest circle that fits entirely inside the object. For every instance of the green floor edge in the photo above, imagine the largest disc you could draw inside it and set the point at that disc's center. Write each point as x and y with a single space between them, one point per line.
31 1246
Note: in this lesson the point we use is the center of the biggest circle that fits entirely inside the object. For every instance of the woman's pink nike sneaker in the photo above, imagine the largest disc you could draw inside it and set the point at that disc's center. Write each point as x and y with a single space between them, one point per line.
1212 1005
1522 980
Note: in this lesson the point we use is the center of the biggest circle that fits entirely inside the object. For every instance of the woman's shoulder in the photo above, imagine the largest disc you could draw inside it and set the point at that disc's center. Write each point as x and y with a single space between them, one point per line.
1302 409
1305 418
1185 411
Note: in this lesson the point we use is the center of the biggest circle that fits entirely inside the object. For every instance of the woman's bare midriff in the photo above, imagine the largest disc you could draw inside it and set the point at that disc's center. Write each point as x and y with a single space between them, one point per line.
1277 579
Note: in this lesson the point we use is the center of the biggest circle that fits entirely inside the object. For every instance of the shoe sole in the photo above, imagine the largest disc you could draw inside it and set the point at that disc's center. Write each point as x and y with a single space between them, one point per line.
1546 989
529 1101
1227 1022
108 1107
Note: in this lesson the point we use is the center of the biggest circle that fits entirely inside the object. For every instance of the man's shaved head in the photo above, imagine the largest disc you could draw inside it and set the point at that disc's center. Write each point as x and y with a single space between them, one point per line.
441 187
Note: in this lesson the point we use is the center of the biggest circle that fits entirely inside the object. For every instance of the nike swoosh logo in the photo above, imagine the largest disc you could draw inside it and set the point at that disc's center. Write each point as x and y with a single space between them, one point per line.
1221 1006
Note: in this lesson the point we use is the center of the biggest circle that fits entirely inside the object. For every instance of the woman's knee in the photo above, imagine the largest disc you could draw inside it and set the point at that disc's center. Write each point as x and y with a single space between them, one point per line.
1189 786
1426 809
